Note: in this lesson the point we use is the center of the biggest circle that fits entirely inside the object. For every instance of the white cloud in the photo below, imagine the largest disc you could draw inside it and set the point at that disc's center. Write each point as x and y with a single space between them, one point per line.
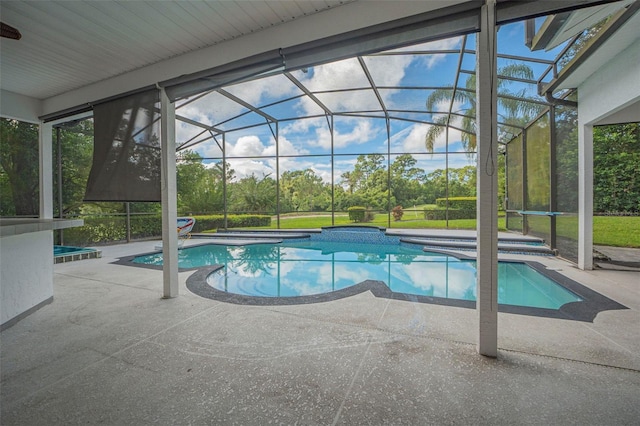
185 131
343 74
246 146
431 61
252 146
285 147
247 167
443 278
212 108
361 132
209 149
255 91
444 44
303 126
411 139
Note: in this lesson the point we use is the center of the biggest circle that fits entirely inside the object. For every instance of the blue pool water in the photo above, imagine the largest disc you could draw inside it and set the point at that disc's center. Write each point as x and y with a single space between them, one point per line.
315 267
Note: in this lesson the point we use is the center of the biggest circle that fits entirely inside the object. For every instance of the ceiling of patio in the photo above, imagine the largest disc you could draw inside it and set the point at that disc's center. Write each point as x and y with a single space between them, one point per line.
70 44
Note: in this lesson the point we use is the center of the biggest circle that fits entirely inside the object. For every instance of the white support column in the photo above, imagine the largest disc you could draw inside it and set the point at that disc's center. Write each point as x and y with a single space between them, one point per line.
487 183
45 148
169 198
585 197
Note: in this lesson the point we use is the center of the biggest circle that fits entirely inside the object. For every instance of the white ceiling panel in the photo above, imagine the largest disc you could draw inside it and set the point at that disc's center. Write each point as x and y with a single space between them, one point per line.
70 44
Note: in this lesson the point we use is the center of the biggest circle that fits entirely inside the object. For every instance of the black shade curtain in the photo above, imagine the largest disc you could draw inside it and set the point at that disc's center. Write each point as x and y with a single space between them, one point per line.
126 153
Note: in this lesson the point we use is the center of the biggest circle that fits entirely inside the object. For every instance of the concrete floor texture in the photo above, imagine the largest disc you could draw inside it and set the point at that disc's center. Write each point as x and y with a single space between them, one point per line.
109 350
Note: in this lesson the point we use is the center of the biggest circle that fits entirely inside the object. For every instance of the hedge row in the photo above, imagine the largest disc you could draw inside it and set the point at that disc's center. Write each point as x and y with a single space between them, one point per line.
360 214
441 214
463 203
102 229
215 221
356 213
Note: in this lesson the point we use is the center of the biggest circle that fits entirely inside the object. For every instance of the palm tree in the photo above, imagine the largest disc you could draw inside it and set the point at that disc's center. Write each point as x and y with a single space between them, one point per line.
517 111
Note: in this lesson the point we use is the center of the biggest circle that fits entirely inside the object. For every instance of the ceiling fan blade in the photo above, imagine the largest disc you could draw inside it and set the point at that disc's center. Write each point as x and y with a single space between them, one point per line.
9 32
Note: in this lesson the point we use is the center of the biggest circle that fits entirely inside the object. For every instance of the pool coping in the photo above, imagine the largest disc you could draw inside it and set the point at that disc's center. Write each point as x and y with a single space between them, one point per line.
585 311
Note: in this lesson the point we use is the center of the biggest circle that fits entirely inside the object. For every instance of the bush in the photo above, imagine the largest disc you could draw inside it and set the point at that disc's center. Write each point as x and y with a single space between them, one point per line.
106 229
462 203
397 213
356 214
369 216
441 214
215 221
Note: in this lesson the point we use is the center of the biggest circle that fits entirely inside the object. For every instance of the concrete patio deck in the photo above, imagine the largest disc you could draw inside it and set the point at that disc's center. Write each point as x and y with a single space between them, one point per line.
110 350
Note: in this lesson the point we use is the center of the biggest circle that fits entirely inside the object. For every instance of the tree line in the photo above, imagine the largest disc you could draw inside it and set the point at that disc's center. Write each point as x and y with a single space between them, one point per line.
371 183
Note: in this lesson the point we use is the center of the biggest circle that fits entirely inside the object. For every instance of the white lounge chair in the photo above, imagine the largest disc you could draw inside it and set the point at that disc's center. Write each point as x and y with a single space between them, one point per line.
185 225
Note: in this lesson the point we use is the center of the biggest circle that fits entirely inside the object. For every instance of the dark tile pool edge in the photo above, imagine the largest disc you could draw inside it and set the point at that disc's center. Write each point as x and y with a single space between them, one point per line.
585 311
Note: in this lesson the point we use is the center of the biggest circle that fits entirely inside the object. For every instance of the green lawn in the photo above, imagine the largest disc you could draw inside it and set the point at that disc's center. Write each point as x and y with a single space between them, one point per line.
619 231
318 221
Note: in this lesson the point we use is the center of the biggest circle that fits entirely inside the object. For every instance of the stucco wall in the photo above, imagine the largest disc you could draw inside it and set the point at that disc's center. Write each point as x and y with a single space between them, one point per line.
611 88
26 273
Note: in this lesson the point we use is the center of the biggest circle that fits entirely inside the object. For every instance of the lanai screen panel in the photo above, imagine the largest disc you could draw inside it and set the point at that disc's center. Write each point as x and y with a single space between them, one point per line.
538 189
324 117
514 176
567 182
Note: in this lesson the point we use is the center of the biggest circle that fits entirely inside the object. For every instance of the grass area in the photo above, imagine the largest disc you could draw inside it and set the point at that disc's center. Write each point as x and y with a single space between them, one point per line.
318 221
617 231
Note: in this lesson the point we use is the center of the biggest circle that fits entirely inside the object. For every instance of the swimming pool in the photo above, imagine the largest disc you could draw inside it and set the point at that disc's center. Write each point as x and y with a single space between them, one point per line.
304 268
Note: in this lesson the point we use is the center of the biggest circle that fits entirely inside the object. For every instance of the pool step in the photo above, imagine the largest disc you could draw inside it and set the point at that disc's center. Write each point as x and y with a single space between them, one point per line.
466 237
250 235
472 245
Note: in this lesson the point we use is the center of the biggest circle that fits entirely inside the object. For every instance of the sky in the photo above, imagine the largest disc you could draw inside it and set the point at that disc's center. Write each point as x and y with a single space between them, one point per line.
403 81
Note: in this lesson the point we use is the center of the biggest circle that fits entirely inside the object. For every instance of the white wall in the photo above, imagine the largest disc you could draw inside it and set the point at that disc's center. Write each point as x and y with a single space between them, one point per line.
611 92
612 88
26 272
